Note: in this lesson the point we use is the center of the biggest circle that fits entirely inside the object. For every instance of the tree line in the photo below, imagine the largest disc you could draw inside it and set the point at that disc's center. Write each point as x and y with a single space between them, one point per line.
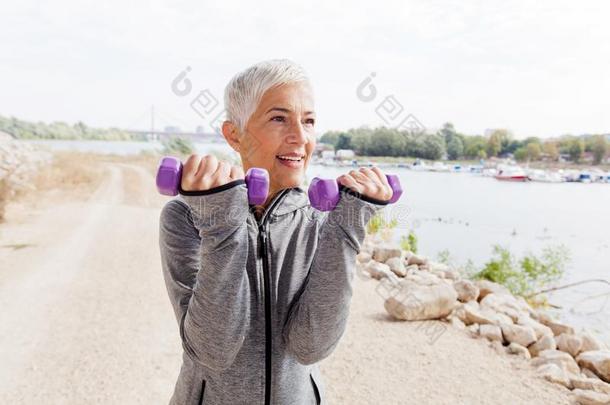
21 129
448 143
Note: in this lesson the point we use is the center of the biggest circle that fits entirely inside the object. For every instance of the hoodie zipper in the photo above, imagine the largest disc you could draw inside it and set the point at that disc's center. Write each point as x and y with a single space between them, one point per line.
267 297
262 234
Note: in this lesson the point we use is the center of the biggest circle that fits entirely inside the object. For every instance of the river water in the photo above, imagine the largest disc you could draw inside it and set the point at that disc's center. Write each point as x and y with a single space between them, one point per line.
467 214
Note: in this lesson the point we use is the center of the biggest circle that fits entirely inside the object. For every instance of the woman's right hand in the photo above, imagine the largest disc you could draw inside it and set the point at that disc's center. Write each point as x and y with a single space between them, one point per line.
200 173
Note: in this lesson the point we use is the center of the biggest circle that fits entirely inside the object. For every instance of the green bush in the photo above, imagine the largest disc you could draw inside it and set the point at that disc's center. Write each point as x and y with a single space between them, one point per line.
409 242
378 222
528 274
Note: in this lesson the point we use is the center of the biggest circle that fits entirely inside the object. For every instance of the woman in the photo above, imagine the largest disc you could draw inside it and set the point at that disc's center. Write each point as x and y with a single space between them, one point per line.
262 294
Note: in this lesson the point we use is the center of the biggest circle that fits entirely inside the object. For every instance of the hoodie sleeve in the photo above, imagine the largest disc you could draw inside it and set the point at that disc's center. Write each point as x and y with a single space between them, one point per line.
317 319
204 248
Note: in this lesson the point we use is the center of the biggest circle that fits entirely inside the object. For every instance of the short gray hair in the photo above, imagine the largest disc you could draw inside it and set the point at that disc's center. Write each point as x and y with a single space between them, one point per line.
245 90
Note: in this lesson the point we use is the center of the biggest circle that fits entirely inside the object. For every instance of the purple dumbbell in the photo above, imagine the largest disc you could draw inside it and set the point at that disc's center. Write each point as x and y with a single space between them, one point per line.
169 176
324 194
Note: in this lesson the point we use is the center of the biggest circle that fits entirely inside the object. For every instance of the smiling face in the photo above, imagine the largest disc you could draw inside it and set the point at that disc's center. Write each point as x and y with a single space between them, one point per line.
279 135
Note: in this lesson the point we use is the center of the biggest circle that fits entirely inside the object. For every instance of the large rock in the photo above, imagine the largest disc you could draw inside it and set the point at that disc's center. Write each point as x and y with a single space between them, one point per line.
561 359
416 259
516 348
363 257
417 302
491 332
488 287
506 304
384 252
466 290
555 374
590 343
597 361
523 335
592 384
379 270
538 328
557 327
584 397
397 266
470 314
571 344
546 342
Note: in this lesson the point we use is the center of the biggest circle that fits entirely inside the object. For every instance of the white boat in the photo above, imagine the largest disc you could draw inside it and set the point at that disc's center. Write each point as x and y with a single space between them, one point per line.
439 167
511 173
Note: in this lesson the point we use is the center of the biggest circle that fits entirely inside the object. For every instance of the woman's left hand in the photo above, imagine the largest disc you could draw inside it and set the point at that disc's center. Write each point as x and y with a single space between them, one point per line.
370 182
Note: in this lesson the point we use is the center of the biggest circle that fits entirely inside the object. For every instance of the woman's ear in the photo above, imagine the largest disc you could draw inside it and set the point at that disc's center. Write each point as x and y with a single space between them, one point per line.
231 134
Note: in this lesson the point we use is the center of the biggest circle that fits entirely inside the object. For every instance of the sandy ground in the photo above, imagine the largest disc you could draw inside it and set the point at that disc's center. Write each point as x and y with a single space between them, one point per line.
86 319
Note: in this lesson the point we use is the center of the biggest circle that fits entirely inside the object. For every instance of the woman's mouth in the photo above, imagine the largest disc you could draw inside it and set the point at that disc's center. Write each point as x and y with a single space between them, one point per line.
292 160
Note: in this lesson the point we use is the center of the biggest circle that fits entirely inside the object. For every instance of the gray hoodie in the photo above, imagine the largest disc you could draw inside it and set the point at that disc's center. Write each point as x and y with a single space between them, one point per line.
258 302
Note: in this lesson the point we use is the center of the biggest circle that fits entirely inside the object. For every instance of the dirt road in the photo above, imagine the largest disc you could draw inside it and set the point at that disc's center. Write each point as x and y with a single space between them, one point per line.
86 318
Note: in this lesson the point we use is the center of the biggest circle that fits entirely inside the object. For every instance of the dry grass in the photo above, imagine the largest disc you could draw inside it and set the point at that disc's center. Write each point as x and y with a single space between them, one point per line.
70 176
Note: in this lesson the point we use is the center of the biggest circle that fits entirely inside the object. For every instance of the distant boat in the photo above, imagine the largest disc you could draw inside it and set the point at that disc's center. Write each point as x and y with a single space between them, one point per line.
456 168
439 167
585 177
513 174
544 176
475 169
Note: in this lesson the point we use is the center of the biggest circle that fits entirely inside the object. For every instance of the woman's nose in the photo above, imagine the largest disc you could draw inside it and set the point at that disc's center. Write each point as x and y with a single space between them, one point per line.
297 134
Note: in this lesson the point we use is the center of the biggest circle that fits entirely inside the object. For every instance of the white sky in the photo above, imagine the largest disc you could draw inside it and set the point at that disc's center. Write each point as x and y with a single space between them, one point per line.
538 68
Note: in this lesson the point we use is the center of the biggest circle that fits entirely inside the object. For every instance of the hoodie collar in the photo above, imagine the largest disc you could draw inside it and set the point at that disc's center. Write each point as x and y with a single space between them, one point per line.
286 201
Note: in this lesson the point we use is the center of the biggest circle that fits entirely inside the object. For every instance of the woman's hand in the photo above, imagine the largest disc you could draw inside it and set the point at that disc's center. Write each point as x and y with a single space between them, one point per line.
200 173
369 182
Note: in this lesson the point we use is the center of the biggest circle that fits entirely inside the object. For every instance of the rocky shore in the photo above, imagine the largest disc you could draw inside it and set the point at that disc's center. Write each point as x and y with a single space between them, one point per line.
415 288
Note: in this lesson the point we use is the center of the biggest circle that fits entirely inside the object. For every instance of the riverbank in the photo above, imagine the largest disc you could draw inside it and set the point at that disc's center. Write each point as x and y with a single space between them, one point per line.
75 332
432 298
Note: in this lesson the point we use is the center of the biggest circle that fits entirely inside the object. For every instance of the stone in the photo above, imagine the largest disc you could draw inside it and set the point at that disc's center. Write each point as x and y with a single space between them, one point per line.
491 332
571 344
597 361
589 374
590 343
452 275
505 304
384 252
397 266
488 287
538 328
363 257
555 374
466 290
473 329
417 302
561 359
591 384
457 323
546 342
523 335
557 327
418 260
584 397
521 351
379 270
475 315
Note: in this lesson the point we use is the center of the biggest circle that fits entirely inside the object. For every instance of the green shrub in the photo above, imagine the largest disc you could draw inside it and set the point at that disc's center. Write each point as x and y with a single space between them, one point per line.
409 242
378 223
529 274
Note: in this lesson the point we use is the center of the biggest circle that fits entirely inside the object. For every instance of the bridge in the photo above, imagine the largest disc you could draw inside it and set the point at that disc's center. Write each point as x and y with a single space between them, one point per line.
158 135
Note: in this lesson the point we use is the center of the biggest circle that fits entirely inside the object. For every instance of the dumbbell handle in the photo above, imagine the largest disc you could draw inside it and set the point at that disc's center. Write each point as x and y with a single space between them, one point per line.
324 193
169 177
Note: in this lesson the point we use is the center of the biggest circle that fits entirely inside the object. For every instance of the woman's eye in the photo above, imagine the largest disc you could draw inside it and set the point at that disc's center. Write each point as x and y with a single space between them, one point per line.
310 121
278 118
